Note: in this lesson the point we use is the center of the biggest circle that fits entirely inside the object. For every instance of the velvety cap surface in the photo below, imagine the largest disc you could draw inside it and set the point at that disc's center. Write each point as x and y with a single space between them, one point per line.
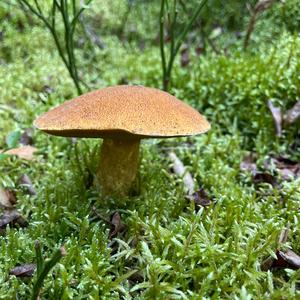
123 111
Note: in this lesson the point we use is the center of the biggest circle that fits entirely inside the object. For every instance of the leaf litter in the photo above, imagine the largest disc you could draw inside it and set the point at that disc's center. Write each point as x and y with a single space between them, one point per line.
200 198
10 216
292 115
115 223
26 182
26 270
22 152
286 168
26 137
7 198
284 258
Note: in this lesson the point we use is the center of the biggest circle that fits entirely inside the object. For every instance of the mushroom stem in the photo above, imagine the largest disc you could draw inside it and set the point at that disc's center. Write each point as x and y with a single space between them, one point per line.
119 160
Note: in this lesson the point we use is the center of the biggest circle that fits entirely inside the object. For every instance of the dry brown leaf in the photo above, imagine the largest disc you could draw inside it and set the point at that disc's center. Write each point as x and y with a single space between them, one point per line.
287 168
7 198
26 270
26 182
249 164
23 152
116 225
291 259
265 178
185 56
12 218
26 137
284 259
200 198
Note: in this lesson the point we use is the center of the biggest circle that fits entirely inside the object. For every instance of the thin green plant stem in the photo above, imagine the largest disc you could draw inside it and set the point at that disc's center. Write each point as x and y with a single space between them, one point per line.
162 50
173 27
66 49
39 258
44 267
167 66
189 25
68 38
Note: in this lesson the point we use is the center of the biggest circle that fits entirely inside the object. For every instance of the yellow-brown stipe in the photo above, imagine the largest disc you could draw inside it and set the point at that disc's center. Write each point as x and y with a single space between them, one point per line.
119 160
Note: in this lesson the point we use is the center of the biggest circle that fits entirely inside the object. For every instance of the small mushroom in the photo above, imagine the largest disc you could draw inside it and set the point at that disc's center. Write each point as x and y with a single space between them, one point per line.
122 116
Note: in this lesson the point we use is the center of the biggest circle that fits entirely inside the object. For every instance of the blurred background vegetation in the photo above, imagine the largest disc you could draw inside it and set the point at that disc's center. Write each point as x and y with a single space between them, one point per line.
118 42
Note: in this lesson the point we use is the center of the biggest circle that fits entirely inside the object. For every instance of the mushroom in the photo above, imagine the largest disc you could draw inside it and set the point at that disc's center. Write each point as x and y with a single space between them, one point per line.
122 116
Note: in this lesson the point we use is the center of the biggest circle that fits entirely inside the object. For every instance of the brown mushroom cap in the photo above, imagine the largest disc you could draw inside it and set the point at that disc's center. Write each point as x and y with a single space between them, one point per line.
123 111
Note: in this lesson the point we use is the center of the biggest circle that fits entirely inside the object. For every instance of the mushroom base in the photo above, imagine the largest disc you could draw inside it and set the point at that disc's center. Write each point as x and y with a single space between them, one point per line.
119 160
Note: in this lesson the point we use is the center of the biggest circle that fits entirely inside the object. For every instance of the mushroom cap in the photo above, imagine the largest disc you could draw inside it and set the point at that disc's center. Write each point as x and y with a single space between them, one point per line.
123 112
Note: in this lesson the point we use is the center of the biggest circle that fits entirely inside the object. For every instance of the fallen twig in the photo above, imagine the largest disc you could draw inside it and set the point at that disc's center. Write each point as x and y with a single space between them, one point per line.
293 114
284 258
100 216
260 7
180 170
277 117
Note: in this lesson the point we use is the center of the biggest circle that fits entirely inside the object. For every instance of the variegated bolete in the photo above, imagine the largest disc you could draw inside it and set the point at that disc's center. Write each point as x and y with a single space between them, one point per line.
122 116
